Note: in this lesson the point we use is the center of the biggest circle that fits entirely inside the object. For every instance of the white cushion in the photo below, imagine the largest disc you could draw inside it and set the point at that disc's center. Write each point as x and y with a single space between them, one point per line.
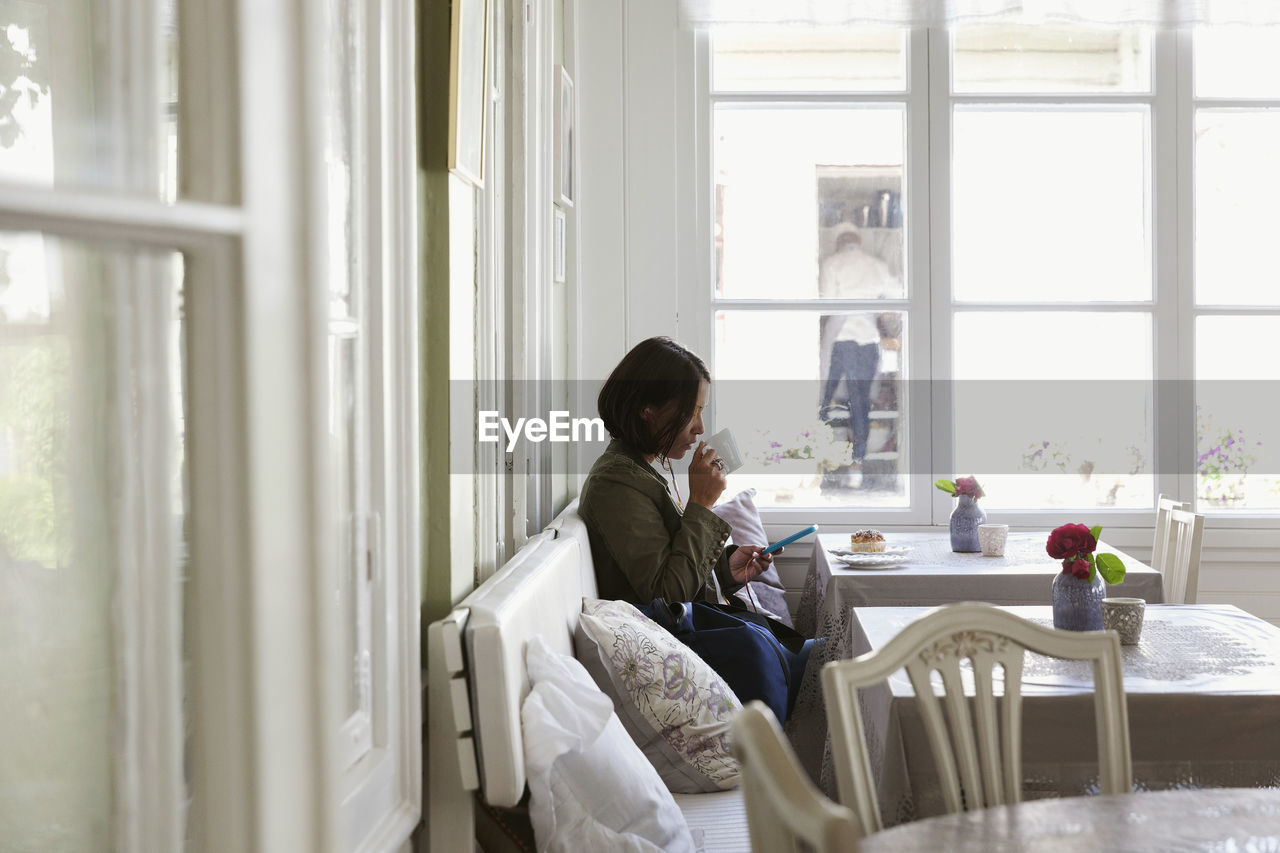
765 593
590 786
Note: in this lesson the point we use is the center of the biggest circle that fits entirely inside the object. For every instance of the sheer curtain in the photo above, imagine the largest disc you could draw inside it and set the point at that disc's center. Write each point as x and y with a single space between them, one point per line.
917 13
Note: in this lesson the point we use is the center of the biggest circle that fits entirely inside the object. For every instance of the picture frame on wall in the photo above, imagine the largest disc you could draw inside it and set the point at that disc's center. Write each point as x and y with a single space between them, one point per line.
564 127
468 88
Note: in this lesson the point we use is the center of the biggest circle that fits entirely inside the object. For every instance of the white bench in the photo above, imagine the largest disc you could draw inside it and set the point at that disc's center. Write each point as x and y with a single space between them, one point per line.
476 682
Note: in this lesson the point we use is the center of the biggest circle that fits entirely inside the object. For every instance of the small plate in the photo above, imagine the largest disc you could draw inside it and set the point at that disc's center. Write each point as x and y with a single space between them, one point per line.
873 560
888 549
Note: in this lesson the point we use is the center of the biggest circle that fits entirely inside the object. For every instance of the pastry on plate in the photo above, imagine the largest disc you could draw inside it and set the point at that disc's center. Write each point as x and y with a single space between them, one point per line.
866 541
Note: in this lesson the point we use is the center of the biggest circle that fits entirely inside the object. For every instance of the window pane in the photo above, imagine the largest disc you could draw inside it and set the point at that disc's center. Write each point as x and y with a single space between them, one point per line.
1237 437
1051 205
1237 184
1230 62
66 119
790 181
1054 409
91 516
833 430
796 59
1050 58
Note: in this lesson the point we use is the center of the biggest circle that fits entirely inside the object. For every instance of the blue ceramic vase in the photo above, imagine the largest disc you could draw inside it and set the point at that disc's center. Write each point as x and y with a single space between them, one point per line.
965 519
1077 604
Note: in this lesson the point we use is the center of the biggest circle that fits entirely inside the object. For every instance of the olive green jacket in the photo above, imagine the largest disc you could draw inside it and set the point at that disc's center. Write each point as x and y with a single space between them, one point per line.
642 545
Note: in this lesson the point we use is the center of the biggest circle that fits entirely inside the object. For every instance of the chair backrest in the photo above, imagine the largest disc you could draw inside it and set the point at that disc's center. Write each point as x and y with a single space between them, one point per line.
1182 557
982 755
783 805
1160 544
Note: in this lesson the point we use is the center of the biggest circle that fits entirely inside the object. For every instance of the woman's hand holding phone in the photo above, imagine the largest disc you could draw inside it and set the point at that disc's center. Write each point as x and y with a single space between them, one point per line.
749 562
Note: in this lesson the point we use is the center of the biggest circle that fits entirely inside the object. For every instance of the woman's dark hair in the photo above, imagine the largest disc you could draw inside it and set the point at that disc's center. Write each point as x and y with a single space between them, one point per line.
656 372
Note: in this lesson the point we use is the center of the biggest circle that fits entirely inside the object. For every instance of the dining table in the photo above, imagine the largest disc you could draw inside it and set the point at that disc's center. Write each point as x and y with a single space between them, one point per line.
1202 687
1220 819
918 569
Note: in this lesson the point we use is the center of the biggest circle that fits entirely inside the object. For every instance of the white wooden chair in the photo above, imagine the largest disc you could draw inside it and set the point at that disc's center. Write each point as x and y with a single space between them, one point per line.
783 806
1182 557
982 755
1160 544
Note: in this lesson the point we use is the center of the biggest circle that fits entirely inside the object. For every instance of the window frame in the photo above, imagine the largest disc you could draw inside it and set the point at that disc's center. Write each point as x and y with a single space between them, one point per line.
697 311
381 791
261 764
930 293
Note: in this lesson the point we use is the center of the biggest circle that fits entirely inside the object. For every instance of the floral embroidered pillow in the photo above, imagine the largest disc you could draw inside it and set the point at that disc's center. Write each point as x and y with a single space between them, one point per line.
674 706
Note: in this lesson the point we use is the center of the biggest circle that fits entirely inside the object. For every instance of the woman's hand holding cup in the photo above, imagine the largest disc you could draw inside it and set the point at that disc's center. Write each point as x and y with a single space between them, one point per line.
706 476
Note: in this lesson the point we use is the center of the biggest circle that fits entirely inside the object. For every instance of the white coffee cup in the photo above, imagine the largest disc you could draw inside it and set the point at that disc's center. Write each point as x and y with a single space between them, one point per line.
726 449
992 538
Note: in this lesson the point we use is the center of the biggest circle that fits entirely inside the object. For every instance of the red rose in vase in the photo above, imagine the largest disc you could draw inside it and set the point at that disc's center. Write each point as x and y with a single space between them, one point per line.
1070 540
1077 567
1074 545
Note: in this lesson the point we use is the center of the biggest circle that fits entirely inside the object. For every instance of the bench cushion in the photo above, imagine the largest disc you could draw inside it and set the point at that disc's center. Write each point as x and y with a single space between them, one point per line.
717 822
675 706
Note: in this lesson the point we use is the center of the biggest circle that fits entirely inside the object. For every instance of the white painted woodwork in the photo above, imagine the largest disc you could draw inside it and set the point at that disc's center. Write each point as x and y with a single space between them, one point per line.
782 803
450 783
381 794
1182 557
978 752
1160 542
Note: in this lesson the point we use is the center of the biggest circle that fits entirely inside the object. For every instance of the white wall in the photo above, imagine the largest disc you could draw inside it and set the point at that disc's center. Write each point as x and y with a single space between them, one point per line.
627 223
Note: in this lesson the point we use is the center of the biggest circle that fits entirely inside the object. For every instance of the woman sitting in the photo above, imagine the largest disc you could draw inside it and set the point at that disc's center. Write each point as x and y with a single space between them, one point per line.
646 542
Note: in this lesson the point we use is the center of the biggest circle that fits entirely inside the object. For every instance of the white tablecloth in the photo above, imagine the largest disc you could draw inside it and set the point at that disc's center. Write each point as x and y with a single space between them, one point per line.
1202 686
933 575
1219 820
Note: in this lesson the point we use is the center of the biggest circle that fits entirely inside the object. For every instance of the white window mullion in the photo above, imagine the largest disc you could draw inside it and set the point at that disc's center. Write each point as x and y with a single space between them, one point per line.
149 621
1174 325
293 693
222 814
491 536
920 277
940 436
401 522
1183 288
697 201
136 293
266 775
100 217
